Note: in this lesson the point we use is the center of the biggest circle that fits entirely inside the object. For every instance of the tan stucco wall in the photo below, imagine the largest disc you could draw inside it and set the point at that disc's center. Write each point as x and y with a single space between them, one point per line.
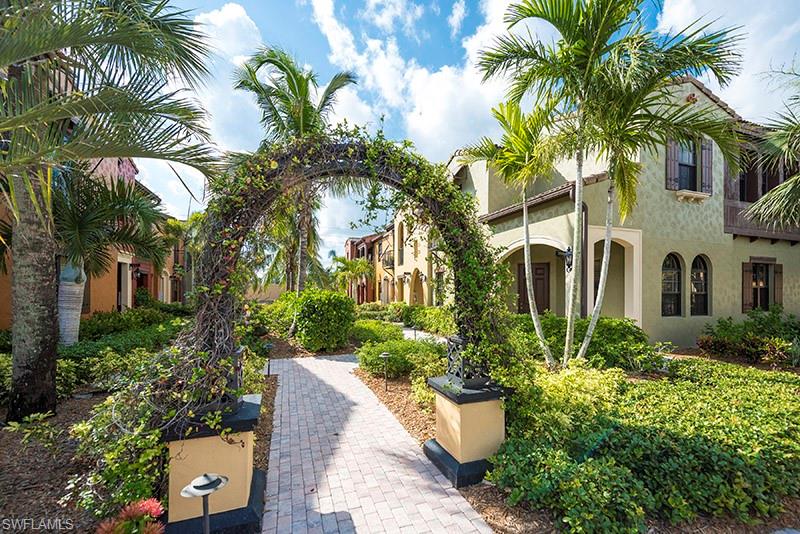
416 261
191 458
614 298
472 431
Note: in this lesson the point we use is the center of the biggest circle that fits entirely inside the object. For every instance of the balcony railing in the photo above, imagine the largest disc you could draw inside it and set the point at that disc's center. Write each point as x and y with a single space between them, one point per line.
388 262
736 223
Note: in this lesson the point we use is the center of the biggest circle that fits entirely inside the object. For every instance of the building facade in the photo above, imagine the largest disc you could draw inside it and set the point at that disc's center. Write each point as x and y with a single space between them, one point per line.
685 257
115 289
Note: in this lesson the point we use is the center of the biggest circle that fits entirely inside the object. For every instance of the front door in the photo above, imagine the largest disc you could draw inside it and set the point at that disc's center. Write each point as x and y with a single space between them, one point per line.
541 287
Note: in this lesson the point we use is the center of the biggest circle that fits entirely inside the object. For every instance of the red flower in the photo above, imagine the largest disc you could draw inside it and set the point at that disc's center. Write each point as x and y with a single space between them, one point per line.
151 507
109 526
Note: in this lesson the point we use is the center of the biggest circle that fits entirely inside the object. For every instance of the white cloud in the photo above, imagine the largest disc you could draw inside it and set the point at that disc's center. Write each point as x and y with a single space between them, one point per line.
350 106
385 13
772 39
456 17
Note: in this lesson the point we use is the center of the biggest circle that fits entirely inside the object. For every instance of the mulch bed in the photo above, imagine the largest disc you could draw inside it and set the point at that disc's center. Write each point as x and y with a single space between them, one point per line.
263 430
33 479
490 501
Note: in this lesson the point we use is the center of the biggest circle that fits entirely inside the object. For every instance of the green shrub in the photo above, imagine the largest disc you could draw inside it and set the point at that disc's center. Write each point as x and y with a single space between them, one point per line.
401 362
67 377
324 319
394 311
426 364
763 335
148 338
378 311
104 323
277 317
595 495
365 330
432 319
177 309
616 342
113 371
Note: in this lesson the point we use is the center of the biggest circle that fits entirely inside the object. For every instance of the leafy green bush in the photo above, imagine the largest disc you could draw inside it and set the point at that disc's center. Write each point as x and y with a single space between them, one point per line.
617 342
113 371
276 317
177 309
324 319
366 330
426 364
122 343
67 377
377 311
432 319
763 335
595 495
394 311
402 353
142 297
104 323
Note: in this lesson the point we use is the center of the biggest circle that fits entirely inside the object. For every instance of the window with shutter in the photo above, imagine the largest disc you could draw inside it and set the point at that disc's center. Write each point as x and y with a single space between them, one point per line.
706 161
673 171
747 287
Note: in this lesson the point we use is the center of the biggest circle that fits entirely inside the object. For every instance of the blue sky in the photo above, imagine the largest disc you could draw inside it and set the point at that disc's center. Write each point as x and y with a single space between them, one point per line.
415 65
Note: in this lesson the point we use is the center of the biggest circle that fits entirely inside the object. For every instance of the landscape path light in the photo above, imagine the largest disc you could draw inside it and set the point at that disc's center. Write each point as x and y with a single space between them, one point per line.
385 356
203 486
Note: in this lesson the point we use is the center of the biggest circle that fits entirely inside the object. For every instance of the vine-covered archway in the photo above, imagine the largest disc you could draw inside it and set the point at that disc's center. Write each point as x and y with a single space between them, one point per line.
244 197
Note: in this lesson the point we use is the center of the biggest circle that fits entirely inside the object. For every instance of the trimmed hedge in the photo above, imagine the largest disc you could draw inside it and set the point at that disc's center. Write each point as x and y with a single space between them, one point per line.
710 438
104 323
366 330
432 319
324 319
392 312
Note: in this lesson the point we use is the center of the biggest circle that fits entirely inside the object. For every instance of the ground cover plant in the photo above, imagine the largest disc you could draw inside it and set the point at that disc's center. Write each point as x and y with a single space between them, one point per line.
434 319
770 336
604 452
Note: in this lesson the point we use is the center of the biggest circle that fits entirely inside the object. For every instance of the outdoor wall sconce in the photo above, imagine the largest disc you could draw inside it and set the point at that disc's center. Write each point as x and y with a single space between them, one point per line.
567 255
203 486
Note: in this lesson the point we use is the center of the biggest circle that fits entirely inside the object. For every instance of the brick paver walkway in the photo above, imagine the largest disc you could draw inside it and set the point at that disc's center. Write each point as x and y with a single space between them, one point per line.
341 462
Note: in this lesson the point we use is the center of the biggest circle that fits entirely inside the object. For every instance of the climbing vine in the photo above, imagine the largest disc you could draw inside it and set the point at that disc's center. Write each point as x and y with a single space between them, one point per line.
189 385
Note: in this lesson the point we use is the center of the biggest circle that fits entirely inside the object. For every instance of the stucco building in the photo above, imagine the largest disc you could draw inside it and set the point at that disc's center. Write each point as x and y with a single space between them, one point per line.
685 257
115 289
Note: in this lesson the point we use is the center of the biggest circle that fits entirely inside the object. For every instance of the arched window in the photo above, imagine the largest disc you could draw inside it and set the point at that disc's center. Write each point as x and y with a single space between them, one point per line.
671 286
700 286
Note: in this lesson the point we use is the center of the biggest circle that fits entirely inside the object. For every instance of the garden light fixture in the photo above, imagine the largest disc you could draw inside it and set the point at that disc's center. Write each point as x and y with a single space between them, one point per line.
203 486
385 356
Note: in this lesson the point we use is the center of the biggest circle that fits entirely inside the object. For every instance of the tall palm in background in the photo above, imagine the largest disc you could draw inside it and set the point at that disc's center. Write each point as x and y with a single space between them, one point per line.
780 147
605 83
524 155
92 218
81 80
347 271
291 108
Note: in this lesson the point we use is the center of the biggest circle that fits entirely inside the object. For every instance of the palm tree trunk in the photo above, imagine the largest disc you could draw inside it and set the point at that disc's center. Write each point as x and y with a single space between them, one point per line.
302 253
601 287
35 307
71 287
537 323
573 305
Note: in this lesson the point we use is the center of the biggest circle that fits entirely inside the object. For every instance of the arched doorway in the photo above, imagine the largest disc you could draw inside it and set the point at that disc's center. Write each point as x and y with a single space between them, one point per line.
417 290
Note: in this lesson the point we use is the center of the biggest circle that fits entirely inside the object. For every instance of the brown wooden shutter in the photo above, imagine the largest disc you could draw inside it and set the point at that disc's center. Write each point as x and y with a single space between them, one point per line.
747 287
706 161
731 184
777 283
672 165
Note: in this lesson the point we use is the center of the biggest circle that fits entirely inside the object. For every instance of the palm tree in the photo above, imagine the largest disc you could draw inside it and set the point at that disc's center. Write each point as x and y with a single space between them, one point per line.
605 76
289 110
92 218
523 156
780 147
347 271
82 80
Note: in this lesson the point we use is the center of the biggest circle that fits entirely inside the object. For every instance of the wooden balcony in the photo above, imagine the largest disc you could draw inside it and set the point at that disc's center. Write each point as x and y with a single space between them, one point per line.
739 225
